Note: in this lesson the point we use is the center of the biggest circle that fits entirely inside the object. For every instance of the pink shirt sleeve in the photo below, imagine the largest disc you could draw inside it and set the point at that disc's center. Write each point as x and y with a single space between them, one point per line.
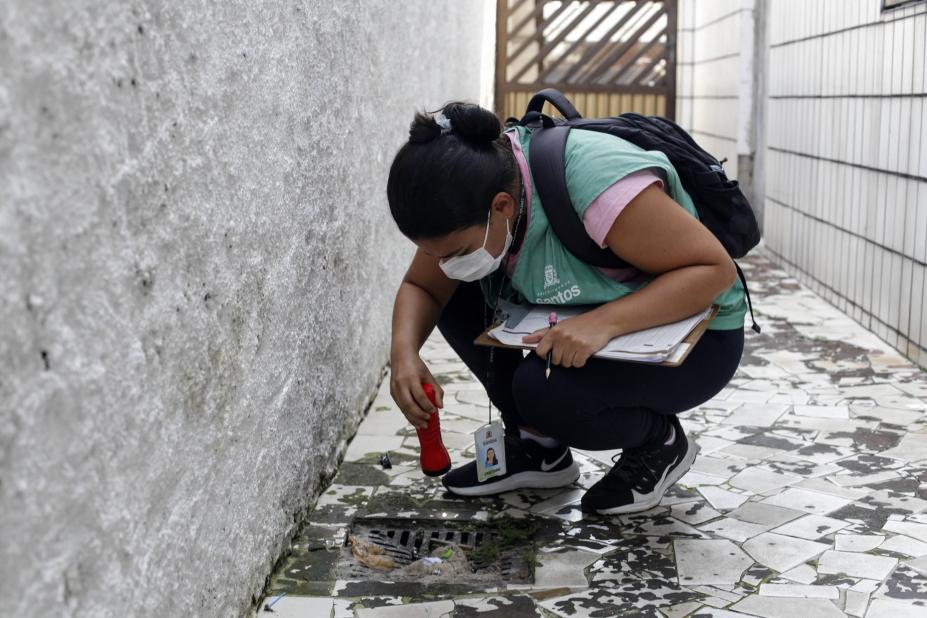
602 212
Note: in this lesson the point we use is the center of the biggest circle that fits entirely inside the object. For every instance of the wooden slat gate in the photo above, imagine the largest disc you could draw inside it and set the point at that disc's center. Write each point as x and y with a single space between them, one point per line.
607 56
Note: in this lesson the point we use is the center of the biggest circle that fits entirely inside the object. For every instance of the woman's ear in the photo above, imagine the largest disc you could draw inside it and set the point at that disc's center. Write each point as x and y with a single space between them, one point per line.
504 203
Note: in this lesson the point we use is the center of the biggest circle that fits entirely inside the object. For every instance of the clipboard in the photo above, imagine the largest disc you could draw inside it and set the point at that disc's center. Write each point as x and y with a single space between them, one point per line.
673 361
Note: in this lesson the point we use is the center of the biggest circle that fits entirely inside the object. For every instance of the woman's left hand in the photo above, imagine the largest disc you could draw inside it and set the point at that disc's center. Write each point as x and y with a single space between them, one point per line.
573 341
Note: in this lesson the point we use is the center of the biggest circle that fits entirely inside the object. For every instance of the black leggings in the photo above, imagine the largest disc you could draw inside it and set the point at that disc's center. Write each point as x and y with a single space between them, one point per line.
605 404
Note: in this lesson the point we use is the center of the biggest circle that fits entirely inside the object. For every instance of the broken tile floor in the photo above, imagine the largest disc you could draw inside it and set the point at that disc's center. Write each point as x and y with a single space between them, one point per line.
808 497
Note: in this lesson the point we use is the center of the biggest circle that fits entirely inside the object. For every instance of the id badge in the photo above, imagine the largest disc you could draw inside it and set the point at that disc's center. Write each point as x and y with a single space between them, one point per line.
490 451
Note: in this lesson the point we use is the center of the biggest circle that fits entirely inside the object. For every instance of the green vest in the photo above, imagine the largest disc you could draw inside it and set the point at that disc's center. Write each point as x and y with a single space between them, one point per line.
547 273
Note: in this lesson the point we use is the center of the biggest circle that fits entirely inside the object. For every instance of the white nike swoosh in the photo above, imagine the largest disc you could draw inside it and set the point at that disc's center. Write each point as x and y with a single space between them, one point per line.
547 467
658 483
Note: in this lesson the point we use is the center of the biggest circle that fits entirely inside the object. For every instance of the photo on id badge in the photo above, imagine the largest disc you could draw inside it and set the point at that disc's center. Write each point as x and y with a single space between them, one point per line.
490 451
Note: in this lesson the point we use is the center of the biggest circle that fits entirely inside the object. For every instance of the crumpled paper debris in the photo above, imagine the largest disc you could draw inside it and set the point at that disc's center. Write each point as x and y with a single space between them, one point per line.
370 554
445 562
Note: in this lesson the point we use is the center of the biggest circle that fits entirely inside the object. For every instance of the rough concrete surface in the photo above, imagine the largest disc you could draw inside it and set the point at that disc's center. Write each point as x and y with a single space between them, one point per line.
197 267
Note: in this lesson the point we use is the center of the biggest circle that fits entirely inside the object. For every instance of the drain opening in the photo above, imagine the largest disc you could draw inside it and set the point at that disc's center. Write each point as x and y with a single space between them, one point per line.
497 552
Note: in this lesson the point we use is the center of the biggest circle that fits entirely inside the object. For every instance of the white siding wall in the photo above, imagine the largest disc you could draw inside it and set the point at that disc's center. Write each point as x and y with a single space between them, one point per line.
845 168
709 59
846 179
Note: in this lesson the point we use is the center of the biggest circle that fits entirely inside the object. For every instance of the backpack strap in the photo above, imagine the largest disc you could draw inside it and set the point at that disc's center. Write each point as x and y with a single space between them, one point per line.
743 280
555 98
548 172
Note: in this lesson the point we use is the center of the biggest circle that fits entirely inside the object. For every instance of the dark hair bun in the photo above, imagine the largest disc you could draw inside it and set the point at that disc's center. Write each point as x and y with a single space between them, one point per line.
423 129
471 123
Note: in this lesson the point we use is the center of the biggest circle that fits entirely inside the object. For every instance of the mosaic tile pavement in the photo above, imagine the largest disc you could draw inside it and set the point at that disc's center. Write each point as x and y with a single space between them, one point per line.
809 496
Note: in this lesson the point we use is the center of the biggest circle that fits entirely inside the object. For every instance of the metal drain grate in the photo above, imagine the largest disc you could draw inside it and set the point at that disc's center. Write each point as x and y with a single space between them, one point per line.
494 557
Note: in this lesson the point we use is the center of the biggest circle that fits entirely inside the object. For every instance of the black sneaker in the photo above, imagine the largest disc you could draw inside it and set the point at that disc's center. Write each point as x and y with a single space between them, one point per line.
527 464
640 477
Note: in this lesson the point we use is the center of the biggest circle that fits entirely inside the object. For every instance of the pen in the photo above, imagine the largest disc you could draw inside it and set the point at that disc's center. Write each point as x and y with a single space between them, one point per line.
551 321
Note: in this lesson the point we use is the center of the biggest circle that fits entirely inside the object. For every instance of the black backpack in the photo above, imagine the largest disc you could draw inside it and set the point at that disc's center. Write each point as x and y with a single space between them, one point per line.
721 206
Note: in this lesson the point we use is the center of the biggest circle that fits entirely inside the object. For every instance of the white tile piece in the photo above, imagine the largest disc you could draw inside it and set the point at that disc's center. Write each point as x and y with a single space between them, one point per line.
365 445
857 542
811 527
825 486
865 585
709 562
808 501
730 433
918 564
894 501
789 398
557 502
715 591
717 466
693 513
715 602
856 565
750 452
722 499
802 574
733 529
780 552
856 603
765 386
766 514
885 608
918 531
299 607
823 411
336 494
887 415
750 397
858 480
489 605
694 478
710 444
434 609
664 527
773 607
758 480
679 610
382 421
823 453
343 608
713 612
830 425
755 414
799 591
906 545
563 569
915 389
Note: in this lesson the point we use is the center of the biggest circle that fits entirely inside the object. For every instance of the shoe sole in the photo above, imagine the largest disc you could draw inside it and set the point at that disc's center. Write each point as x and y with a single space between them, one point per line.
523 480
675 474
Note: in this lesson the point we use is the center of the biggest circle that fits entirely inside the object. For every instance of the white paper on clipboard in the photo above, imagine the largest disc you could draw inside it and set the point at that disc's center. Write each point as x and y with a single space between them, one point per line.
650 345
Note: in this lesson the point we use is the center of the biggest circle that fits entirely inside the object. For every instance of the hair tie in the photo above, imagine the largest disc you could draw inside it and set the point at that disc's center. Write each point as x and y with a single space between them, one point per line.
444 122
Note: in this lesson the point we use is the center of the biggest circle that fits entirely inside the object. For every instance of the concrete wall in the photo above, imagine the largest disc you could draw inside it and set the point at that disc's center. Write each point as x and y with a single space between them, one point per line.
847 173
197 266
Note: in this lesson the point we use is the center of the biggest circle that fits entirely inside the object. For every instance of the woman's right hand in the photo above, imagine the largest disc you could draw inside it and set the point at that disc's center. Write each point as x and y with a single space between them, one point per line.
407 374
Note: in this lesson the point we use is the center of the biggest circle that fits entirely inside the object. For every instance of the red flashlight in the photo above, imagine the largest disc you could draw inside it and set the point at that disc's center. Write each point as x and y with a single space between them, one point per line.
434 458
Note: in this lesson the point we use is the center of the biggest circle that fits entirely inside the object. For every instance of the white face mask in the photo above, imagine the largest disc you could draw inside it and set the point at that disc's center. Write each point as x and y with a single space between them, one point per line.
478 264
